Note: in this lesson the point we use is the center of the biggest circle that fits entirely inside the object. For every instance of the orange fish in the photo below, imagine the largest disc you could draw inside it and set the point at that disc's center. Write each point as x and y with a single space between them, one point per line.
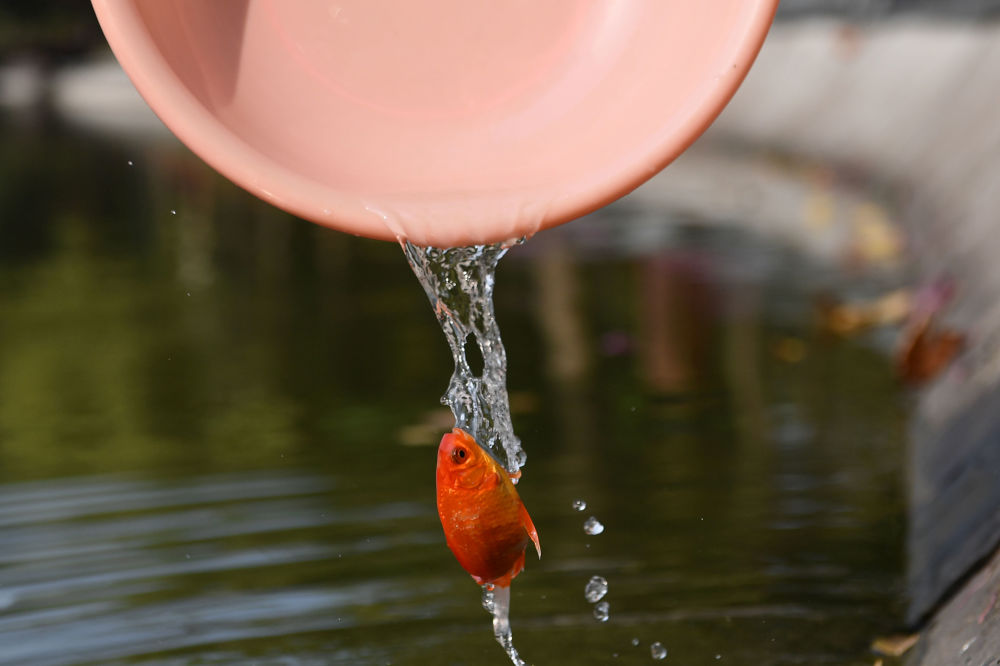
485 522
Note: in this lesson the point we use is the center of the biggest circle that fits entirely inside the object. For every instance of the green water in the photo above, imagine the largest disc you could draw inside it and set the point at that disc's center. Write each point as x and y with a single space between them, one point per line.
217 433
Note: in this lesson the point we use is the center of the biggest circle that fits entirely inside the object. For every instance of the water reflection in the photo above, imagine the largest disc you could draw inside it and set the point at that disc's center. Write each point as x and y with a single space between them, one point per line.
94 569
202 419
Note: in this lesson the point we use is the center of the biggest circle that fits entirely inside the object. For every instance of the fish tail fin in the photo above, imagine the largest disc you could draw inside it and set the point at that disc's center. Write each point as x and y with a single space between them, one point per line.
529 527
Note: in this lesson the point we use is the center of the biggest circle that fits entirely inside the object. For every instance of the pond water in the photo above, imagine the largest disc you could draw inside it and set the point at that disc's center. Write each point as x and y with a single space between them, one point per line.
218 429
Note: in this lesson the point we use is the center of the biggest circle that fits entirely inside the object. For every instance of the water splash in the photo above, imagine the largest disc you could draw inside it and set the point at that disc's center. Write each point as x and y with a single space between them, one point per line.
596 588
602 611
657 651
579 505
459 282
496 601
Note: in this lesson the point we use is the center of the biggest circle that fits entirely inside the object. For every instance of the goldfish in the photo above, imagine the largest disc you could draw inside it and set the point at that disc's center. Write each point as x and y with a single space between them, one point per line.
485 523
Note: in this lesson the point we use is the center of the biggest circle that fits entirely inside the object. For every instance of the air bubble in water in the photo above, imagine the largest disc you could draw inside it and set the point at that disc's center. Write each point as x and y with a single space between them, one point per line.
579 505
602 611
596 588
593 526
488 599
657 650
635 642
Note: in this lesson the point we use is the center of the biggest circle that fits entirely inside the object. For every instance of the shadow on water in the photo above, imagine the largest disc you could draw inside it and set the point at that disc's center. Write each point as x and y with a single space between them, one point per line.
217 428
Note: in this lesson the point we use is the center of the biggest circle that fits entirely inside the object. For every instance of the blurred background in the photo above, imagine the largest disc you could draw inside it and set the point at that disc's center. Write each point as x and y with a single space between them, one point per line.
769 373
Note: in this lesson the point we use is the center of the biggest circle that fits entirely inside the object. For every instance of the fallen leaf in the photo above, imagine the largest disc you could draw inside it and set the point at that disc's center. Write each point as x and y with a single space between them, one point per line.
894 646
848 318
790 350
924 353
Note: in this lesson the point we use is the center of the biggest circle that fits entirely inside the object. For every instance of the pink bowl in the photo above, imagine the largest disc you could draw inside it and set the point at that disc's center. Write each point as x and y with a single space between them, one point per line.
448 122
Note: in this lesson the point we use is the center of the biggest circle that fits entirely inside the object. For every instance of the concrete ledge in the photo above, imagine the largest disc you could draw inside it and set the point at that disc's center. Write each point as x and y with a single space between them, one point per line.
915 102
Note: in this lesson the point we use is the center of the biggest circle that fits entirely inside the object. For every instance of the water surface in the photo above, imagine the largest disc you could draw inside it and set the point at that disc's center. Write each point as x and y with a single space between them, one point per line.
217 432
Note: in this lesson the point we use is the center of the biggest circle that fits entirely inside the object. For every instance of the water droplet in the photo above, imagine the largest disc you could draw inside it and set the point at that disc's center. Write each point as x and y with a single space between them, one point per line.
579 505
596 588
718 657
656 649
130 162
635 642
593 526
173 212
602 611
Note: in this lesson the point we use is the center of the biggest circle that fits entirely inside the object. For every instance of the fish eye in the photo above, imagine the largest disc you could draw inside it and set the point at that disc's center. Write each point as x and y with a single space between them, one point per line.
458 455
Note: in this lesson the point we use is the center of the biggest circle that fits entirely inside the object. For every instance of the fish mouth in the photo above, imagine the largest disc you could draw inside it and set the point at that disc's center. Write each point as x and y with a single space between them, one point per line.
447 445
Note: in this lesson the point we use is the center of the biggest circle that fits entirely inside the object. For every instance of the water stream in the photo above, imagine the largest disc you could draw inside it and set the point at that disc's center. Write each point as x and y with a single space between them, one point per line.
459 283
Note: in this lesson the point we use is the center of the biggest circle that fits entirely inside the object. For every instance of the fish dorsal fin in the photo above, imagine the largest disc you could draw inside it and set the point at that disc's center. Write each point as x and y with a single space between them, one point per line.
529 527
